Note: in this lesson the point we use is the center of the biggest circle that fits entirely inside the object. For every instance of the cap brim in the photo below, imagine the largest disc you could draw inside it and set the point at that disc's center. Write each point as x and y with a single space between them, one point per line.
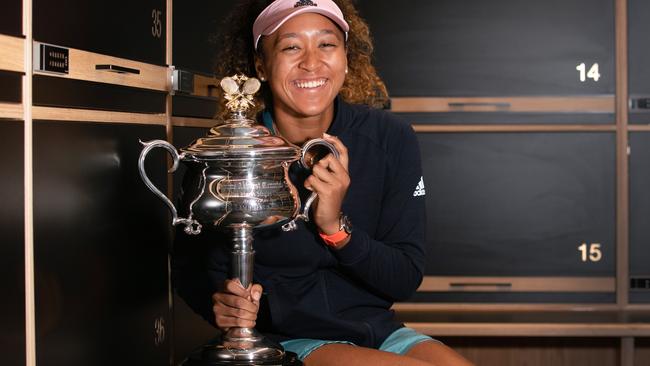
305 9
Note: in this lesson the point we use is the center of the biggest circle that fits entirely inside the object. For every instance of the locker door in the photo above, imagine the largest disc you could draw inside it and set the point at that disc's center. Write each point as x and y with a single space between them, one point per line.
639 212
11 18
639 57
190 329
101 241
133 30
532 205
12 248
493 48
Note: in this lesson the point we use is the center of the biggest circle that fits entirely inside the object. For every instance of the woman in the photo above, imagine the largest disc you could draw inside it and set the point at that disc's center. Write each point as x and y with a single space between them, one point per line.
327 288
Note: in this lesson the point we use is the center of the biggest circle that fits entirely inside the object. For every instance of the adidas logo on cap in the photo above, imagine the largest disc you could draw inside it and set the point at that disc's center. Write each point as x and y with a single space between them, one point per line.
419 190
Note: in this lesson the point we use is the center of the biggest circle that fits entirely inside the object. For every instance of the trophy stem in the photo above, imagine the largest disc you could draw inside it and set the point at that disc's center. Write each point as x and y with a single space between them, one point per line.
243 255
242 346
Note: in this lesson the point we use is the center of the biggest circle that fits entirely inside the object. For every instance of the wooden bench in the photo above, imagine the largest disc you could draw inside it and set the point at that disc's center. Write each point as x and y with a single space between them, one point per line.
532 321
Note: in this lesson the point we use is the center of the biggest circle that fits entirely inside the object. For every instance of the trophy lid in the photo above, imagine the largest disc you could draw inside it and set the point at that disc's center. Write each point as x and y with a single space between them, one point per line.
240 137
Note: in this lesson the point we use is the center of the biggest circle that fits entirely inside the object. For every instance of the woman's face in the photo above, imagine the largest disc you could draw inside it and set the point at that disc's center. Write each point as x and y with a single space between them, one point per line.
305 63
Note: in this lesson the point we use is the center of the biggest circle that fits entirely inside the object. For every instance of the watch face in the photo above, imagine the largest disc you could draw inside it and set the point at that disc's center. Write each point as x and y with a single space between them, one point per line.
346 224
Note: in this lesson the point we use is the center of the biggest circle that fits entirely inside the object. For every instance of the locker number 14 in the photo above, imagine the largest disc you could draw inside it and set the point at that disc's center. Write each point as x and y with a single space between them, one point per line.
593 72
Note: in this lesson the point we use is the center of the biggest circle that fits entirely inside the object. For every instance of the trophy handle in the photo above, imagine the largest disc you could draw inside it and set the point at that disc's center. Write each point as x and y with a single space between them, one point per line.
309 156
192 226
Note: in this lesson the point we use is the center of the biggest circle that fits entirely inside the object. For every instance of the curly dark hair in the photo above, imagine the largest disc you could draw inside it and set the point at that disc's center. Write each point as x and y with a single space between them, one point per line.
237 55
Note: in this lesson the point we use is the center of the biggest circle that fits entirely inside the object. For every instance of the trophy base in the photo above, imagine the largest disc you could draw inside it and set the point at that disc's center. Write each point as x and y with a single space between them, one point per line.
250 351
289 359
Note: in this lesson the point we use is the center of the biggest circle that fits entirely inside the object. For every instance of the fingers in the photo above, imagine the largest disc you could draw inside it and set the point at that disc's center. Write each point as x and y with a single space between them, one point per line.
256 293
235 287
227 316
330 170
236 306
343 151
330 180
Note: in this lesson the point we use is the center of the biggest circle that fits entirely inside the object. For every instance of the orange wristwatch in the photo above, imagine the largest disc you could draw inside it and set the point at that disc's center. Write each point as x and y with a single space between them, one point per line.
345 229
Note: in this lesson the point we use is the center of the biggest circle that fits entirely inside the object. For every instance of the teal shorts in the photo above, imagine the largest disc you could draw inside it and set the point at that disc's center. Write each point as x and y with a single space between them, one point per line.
399 342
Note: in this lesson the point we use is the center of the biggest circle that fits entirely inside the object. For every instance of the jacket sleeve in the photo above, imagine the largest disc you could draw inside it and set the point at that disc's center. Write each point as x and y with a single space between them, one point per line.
391 261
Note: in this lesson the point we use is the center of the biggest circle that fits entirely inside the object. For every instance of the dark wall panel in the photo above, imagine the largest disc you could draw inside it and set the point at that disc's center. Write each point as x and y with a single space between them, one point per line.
128 29
184 136
12 234
195 28
639 214
11 18
101 240
639 57
190 329
490 48
11 87
62 92
519 204
194 106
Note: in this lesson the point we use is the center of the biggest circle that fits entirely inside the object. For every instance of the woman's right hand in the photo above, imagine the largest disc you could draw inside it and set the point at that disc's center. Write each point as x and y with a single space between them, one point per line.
235 306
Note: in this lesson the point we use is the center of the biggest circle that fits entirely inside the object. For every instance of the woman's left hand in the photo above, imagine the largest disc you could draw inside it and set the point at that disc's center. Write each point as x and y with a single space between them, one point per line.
330 180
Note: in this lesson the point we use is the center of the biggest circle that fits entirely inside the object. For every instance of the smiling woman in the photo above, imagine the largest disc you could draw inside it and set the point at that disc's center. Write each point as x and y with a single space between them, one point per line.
328 289
305 64
239 50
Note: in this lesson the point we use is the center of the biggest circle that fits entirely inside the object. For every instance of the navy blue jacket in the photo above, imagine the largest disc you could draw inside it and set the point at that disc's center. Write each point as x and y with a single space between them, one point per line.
311 290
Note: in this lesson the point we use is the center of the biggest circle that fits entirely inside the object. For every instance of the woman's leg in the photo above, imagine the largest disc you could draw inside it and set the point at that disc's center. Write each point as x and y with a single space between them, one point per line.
348 355
436 353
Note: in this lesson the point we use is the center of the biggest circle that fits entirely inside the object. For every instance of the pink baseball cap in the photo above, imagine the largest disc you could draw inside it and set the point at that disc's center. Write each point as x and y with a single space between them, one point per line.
279 11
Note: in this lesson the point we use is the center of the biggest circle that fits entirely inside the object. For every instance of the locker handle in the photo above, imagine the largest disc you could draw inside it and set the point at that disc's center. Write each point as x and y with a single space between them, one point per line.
482 285
500 105
117 69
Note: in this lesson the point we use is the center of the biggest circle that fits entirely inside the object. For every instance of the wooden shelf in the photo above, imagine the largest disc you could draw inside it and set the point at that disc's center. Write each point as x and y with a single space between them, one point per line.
565 104
205 86
426 128
82 66
638 128
517 284
12 53
11 110
88 115
409 308
506 322
531 329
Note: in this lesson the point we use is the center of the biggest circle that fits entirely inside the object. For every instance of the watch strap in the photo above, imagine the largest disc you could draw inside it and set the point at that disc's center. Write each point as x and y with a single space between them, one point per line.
335 239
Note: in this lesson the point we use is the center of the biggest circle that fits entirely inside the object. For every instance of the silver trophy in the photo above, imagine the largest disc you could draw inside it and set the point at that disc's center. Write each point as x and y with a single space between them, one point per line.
239 182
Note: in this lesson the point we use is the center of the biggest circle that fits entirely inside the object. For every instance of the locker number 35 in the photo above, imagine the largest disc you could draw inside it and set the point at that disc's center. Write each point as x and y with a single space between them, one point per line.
591 252
156 27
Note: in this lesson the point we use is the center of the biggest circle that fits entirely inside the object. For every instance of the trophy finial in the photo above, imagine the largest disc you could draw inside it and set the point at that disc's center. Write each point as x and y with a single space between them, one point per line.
238 91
